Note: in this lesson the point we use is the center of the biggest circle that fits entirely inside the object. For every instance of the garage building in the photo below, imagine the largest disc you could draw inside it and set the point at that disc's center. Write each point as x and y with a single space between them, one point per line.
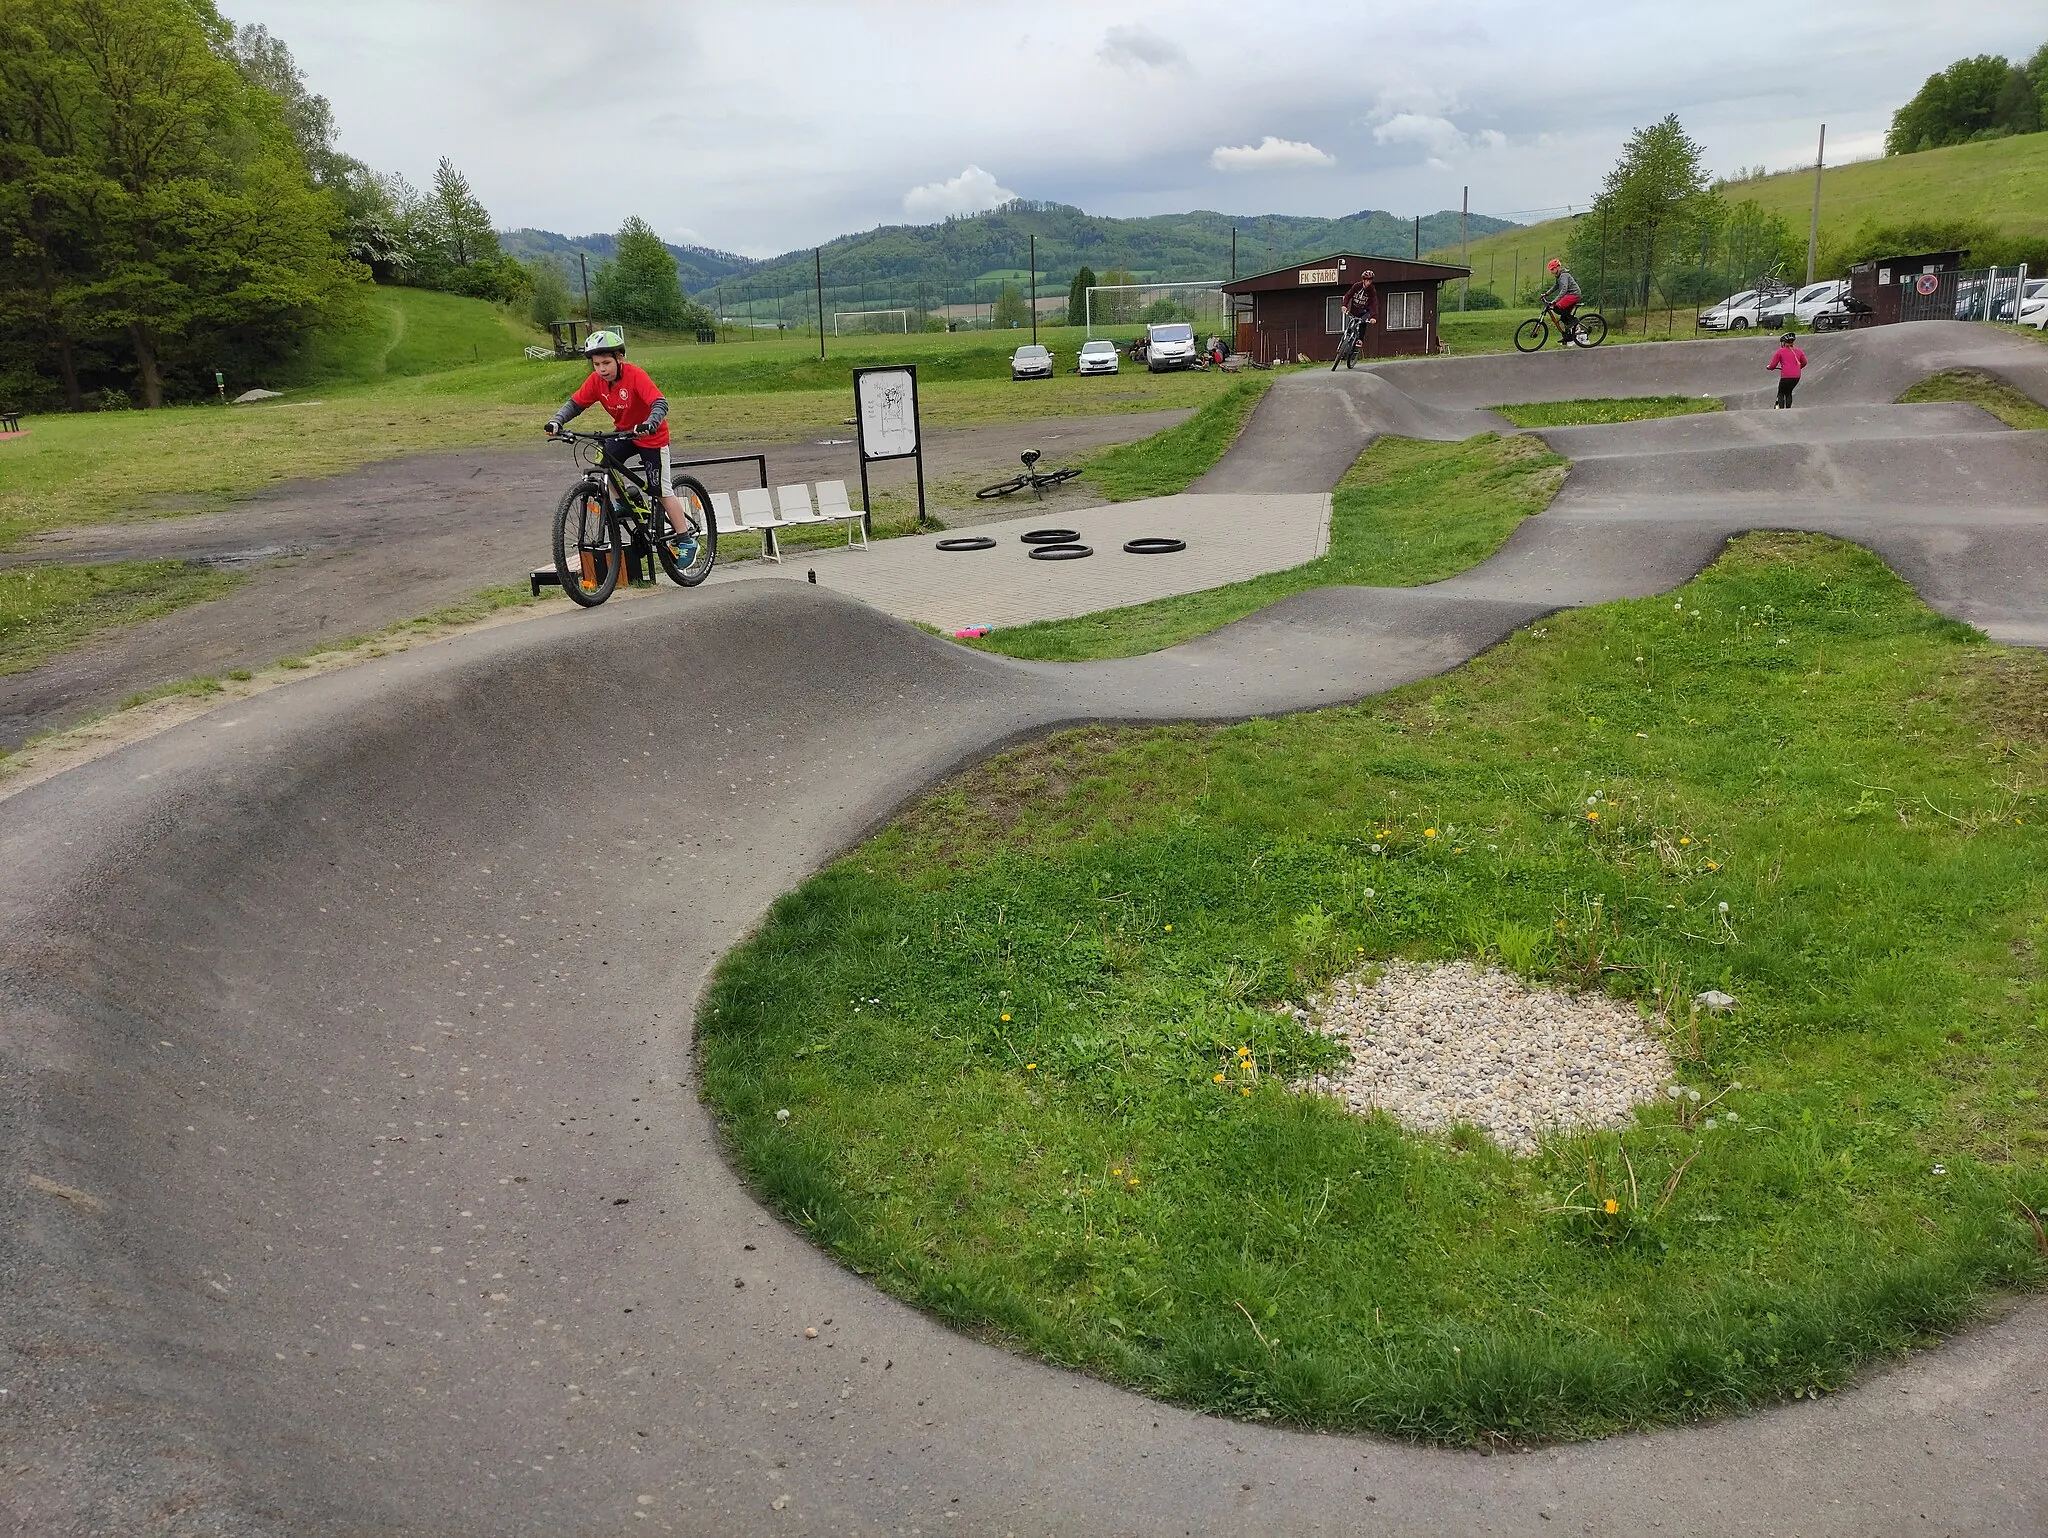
1298 310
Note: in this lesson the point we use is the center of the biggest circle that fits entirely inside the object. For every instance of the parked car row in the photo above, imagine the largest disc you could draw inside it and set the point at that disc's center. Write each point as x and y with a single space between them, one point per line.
1825 305
1169 345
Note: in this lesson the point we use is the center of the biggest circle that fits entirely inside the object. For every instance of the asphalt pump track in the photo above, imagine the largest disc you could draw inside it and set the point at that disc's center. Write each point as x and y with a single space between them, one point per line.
354 1177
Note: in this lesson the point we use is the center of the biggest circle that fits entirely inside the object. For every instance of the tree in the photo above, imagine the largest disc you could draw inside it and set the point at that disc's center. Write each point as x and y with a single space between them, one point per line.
156 197
1961 102
466 232
548 298
640 286
1653 203
1010 310
1077 297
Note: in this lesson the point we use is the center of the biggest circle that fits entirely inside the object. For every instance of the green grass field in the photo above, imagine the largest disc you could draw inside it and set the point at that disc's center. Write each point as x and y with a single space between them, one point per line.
1406 513
1628 408
977 1059
2002 183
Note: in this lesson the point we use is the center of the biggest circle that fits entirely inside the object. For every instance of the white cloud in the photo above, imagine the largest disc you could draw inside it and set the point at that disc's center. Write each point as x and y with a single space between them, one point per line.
1269 154
971 192
1128 46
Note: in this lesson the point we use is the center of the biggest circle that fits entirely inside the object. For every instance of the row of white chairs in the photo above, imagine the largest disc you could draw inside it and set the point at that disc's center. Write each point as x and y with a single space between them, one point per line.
790 508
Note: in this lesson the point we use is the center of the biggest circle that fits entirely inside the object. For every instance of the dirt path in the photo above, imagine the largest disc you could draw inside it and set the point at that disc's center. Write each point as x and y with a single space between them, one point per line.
338 557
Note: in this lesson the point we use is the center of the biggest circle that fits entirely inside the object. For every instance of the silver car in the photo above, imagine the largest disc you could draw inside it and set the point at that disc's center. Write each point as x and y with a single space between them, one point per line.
1097 357
1031 361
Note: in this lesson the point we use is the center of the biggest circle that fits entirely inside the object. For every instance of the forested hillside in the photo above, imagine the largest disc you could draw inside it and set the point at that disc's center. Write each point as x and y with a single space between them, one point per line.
698 266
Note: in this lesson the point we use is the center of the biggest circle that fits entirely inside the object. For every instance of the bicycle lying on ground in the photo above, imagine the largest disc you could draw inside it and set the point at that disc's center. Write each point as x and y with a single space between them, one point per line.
1584 328
1033 477
608 519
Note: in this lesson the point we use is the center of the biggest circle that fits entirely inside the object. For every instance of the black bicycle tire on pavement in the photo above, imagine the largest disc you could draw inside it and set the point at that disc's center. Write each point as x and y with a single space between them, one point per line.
697 508
1049 536
968 542
587 585
1536 332
1592 329
1154 544
1004 488
1061 552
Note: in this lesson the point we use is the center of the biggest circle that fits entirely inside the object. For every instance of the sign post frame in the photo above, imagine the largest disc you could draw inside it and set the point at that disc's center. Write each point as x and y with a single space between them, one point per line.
885 452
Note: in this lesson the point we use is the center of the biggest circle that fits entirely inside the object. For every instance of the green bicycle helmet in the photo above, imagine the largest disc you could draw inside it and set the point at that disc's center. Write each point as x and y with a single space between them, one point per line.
603 341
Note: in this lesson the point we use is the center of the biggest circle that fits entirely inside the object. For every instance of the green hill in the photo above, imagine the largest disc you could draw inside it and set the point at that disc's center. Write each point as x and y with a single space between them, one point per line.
403 332
963 260
2002 183
698 266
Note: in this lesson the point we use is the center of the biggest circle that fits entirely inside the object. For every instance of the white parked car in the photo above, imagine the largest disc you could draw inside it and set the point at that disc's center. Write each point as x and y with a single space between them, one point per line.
1031 361
1097 357
1738 312
2034 305
1168 346
1802 306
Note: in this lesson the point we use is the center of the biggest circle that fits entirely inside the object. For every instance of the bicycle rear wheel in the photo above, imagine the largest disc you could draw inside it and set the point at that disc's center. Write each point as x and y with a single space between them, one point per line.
1592 329
687 554
587 553
1004 488
1530 335
1055 477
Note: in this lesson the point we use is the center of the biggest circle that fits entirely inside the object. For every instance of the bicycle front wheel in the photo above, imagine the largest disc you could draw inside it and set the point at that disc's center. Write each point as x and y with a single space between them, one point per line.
687 554
587 554
1592 329
1004 488
1530 335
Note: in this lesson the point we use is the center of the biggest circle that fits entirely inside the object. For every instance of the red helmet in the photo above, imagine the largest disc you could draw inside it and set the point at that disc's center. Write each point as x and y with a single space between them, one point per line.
1554 264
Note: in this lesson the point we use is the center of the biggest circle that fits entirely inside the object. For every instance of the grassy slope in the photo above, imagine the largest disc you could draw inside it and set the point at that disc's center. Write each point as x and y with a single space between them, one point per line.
997 1027
2003 182
49 609
1979 389
1406 513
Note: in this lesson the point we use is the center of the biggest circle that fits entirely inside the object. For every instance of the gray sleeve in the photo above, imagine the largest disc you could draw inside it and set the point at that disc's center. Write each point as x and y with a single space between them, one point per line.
570 412
658 412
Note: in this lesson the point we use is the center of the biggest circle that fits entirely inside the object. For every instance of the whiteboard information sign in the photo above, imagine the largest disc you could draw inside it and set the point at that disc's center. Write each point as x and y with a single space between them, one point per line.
886 422
887 399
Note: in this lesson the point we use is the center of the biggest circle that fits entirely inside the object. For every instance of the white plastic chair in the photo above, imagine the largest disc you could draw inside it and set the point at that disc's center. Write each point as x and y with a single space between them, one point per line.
723 518
757 510
794 502
834 508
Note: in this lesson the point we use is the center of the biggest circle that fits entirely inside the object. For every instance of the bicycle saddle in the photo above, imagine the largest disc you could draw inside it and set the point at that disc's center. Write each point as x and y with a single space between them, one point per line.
1030 457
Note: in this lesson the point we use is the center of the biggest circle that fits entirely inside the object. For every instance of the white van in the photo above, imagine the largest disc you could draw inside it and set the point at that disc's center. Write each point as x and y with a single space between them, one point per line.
1170 345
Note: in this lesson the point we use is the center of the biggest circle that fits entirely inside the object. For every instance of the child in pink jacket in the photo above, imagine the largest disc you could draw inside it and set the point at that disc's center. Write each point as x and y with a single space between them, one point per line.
1789 361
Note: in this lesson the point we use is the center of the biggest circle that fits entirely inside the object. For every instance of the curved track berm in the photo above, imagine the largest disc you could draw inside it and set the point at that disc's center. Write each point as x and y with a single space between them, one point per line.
356 1182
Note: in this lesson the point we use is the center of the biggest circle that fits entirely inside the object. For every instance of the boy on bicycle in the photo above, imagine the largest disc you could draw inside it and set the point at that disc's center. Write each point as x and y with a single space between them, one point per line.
1562 299
1361 301
629 397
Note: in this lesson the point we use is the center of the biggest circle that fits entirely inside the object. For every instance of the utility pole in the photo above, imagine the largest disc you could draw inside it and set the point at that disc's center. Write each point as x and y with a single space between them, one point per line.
1233 253
818 271
1813 230
1465 244
583 264
1034 290
1418 237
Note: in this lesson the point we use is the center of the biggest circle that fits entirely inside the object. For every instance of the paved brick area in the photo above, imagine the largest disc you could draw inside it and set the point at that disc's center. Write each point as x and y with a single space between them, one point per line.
1229 537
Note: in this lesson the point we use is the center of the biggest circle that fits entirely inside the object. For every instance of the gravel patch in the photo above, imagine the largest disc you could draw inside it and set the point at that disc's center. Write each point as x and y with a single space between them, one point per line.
1436 1045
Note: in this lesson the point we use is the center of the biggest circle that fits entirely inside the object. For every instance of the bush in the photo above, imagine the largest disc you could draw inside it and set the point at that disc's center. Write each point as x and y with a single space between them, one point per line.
1483 299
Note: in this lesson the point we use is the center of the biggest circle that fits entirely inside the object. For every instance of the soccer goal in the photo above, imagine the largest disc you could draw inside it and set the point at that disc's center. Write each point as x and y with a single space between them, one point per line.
1200 302
868 320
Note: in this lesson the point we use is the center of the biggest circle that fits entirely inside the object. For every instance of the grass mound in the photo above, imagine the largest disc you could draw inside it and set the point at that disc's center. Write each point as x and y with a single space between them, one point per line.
1407 512
1167 463
49 609
1034 1075
1622 408
1978 388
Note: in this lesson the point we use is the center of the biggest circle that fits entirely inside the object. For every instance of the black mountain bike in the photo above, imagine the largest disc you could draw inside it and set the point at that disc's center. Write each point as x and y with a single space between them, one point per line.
1347 349
609 521
1584 329
1033 477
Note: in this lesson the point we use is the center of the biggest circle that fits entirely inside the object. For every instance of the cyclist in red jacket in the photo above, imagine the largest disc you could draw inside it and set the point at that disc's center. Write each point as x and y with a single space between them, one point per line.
635 404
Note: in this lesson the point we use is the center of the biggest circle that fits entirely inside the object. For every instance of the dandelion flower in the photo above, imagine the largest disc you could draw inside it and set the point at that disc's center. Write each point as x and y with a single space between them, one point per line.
1675 1091
1006 1017
1592 800
1369 892
1133 1183
1611 1206
1376 847
1592 816
1117 1170
1730 1116
1219 1078
1429 833
1031 1067
1724 907
782 1115
1713 865
1685 841
1169 929
1244 1092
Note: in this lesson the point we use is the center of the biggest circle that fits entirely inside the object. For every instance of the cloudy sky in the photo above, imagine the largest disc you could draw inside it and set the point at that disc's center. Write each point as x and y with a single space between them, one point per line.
775 124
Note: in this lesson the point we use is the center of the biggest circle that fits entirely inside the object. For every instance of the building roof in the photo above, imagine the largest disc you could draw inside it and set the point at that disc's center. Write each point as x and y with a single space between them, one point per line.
1344 267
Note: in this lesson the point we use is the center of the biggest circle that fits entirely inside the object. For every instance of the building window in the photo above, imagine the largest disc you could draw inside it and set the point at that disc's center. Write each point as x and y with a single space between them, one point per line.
1404 311
1333 315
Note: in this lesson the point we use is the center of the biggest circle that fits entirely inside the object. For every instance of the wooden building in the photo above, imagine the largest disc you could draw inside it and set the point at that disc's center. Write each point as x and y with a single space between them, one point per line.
1298 310
1896 288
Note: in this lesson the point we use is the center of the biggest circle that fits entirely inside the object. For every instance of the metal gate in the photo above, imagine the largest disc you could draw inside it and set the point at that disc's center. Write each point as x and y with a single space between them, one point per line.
1975 293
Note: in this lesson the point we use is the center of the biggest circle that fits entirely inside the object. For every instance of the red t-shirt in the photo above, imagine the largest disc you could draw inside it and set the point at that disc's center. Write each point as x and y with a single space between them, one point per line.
628 399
